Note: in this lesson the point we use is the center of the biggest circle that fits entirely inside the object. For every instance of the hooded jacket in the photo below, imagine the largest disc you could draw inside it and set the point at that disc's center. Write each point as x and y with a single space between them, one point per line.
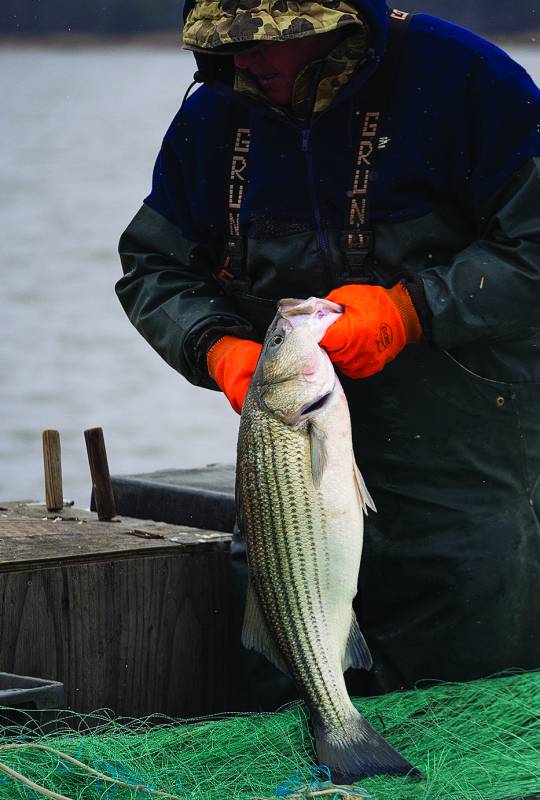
448 436
454 197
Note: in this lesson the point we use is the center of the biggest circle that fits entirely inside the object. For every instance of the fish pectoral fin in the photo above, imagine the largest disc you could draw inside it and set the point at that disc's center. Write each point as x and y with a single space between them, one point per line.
364 496
319 456
255 633
357 653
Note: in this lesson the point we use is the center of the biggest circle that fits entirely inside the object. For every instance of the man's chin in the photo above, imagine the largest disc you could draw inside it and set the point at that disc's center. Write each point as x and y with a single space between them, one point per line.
277 97
275 92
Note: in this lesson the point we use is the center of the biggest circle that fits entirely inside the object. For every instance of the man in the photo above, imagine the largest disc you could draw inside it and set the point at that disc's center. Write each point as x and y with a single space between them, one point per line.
391 163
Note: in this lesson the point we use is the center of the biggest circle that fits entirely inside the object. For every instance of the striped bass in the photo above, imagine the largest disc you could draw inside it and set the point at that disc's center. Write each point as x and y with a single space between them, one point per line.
301 500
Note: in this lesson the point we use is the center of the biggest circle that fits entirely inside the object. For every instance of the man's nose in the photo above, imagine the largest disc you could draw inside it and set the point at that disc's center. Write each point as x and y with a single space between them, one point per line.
246 58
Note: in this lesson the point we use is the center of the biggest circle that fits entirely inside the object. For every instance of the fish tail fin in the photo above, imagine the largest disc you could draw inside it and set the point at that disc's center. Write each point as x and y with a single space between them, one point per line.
356 751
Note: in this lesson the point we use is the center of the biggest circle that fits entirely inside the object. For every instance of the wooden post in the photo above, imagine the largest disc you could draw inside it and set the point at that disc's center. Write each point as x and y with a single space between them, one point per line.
99 470
52 463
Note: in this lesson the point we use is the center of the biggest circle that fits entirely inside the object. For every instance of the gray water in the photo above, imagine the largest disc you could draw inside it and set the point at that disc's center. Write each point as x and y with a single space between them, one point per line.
78 137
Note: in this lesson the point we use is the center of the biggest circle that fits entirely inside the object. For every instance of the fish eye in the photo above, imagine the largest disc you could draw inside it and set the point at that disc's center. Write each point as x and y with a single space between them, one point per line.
276 340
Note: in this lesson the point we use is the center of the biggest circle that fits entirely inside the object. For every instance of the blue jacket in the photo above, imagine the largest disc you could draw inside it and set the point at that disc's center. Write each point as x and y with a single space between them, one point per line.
463 122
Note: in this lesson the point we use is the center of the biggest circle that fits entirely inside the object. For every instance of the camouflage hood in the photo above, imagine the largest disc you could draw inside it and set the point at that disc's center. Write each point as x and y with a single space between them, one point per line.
217 23
214 24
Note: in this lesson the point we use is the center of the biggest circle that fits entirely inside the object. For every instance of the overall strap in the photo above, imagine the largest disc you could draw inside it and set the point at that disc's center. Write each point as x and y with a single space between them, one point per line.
357 238
232 274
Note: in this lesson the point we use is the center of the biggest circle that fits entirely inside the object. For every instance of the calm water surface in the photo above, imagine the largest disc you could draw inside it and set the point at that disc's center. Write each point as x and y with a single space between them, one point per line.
79 134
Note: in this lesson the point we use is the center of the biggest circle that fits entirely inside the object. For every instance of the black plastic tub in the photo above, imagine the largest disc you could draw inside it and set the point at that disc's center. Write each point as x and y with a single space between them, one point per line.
28 701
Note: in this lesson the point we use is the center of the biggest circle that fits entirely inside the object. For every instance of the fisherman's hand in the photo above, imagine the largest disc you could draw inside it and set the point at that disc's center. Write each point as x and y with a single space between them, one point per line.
376 325
231 363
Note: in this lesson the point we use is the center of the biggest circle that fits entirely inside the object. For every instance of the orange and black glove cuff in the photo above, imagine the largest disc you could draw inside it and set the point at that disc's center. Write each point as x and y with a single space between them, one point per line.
400 296
231 363
415 287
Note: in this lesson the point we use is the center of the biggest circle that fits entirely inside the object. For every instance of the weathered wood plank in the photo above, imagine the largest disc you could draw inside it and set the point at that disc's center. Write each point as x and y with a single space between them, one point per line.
140 636
30 536
141 626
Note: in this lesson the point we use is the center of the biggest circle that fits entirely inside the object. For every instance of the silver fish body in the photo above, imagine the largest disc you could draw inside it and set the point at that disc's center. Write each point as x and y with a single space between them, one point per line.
301 501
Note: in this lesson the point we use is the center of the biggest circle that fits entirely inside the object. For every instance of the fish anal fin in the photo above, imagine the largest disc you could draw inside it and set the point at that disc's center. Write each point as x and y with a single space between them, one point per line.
319 456
255 634
364 496
357 653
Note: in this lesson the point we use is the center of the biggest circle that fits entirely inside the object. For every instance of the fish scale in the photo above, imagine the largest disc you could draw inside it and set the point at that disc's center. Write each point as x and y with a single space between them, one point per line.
293 533
304 514
282 534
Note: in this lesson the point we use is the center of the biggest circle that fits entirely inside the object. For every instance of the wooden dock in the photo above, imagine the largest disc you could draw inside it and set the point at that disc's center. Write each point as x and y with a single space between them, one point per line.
130 615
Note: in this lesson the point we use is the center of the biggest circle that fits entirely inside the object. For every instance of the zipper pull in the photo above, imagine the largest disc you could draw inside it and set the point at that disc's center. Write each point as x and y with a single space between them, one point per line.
305 140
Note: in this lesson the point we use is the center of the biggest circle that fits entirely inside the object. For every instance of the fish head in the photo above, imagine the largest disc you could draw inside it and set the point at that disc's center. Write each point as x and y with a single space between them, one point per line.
295 378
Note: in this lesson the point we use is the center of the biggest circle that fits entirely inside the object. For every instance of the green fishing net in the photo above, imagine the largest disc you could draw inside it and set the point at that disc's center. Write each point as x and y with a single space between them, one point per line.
474 741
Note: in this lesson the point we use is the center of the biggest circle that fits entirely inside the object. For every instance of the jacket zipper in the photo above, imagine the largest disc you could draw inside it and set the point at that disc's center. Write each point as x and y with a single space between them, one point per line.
324 246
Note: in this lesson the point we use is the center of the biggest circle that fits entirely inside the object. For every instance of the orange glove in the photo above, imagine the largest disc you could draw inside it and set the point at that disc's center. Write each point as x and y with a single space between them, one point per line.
376 325
231 363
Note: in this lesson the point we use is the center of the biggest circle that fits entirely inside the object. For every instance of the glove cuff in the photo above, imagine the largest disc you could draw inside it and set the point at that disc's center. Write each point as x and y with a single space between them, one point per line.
417 292
217 351
231 362
401 298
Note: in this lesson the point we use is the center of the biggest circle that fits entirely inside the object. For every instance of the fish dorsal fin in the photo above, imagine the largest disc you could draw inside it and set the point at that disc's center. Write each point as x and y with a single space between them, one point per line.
319 455
255 634
364 496
357 653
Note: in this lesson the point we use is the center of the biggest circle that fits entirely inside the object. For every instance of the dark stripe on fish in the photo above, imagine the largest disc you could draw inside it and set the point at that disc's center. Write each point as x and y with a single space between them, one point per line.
311 661
301 549
270 557
261 510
